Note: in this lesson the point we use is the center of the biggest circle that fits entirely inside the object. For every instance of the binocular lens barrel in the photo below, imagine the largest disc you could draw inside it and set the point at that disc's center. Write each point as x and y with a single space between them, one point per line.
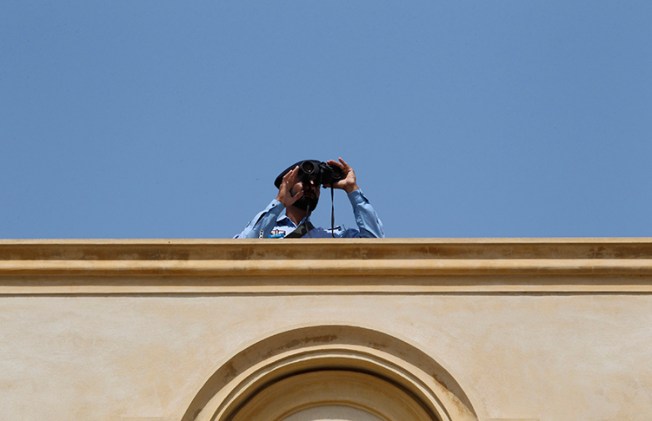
308 167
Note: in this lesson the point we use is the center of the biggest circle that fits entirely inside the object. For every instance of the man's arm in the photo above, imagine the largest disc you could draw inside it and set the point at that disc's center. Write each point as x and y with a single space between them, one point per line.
263 223
369 225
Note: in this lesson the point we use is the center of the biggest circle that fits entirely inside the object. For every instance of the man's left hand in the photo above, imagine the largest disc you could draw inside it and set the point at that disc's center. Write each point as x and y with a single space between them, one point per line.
348 183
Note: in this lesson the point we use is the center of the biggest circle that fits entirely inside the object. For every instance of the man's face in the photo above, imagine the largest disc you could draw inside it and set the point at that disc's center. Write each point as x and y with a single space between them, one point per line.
310 195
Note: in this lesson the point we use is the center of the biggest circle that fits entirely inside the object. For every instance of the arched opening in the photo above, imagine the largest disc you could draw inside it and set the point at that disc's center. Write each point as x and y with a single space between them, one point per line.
323 371
331 394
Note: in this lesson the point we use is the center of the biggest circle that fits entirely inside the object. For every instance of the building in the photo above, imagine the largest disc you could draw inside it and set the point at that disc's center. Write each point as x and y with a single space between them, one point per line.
298 330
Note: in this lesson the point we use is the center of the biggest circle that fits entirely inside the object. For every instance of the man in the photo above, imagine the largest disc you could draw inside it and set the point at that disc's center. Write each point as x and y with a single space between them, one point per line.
299 196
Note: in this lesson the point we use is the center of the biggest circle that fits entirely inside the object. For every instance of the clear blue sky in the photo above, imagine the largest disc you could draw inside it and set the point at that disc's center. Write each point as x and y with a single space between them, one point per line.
161 119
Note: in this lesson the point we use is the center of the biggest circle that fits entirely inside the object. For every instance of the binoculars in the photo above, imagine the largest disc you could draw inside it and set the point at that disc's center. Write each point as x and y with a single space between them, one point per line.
316 171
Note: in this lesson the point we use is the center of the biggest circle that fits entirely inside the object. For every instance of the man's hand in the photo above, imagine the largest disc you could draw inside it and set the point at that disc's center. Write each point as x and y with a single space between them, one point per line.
285 194
348 183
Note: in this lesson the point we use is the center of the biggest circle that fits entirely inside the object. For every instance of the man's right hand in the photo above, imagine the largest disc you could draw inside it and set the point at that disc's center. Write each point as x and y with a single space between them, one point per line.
286 195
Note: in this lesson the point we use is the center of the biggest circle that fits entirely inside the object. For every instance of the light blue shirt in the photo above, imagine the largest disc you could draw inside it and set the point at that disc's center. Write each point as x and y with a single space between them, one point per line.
273 223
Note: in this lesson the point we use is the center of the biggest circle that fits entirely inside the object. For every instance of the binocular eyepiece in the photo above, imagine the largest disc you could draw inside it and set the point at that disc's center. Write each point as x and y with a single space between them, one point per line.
316 171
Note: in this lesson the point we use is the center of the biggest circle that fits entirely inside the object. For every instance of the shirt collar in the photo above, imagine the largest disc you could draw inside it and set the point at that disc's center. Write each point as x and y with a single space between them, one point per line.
284 220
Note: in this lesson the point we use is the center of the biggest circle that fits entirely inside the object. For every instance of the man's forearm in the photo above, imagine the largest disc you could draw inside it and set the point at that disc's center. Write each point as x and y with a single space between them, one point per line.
366 217
263 223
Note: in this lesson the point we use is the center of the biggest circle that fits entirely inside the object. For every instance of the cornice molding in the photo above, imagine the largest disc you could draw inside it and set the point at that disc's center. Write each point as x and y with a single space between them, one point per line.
406 266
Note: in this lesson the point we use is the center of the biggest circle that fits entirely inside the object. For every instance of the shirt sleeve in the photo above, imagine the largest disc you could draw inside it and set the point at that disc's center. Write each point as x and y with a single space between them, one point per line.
263 223
369 225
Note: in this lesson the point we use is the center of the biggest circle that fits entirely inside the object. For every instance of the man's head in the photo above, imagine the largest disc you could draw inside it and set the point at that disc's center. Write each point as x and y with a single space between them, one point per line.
310 197
305 182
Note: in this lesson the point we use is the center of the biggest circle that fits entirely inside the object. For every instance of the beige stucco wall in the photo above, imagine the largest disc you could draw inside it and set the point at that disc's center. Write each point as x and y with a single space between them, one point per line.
560 344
